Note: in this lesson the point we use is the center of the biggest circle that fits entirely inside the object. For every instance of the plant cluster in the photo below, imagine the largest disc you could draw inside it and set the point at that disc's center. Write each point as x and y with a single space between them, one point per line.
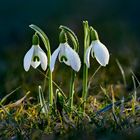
24 119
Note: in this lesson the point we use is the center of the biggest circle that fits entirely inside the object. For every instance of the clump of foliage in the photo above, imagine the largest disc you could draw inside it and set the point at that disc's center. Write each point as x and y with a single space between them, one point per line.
78 114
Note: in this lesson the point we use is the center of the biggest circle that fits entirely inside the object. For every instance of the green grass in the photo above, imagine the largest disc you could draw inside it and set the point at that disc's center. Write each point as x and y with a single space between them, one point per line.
107 114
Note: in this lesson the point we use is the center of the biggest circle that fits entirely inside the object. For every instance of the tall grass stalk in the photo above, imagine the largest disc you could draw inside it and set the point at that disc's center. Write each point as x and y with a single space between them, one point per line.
91 78
135 89
122 72
134 97
5 97
113 99
135 77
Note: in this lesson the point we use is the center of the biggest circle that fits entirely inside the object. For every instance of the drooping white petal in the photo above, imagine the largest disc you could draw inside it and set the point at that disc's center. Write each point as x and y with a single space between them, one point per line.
92 51
53 58
43 58
87 56
63 47
28 58
73 58
35 62
101 53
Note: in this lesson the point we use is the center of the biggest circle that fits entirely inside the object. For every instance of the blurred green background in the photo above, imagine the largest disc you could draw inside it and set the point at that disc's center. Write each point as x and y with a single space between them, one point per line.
117 22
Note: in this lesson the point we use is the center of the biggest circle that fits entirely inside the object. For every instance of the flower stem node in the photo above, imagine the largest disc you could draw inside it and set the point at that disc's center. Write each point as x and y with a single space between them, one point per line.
35 56
67 55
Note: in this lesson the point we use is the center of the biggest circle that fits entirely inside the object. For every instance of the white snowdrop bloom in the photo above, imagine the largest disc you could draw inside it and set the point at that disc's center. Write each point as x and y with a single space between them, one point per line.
67 55
34 57
99 51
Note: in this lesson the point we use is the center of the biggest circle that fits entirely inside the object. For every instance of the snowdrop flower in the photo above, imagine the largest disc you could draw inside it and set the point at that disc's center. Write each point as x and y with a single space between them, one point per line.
97 50
67 55
35 56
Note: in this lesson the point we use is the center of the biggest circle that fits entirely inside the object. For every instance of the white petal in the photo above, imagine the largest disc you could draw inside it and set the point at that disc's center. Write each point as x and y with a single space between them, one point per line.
53 58
92 52
101 53
43 58
28 58
62 53
87 56
73 58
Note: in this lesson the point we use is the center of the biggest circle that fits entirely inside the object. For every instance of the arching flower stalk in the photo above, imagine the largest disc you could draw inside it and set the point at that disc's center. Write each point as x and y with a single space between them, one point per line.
68 56
46 42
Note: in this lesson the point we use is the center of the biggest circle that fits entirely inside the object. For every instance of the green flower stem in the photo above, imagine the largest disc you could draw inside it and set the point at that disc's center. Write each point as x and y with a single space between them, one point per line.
85 69
47 46
71 92
75 42
85 84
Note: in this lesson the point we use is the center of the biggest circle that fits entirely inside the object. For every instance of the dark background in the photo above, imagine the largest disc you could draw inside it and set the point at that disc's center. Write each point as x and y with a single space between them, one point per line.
117 22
